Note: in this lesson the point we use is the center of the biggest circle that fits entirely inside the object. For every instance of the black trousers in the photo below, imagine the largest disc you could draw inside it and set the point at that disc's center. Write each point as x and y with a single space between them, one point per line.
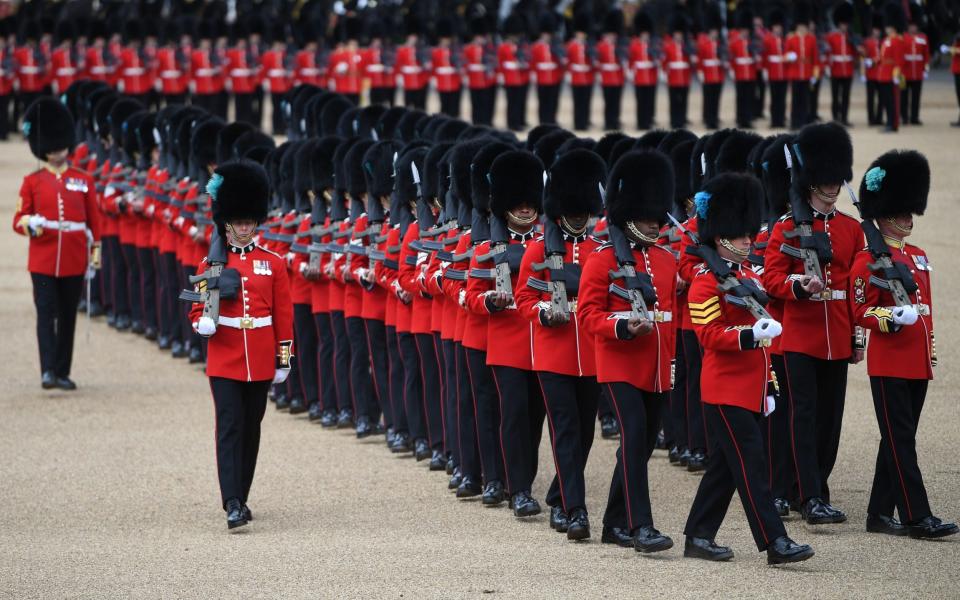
412 386
442 378
239 410
759 93
134 291
305 333
646 105
711 105
207 102
612 99
415 98
244 110
450 103
696 427
395 378
325 361
678 398
451 397
278 118
548 101
582 95
119 281
815 100
363 401
377 344
383 95
431 392
482 104
736 463
571 407
171 99
776 437
840 98
258 105
956 87
746 103
468 452
148 286
817 391
56 300
521 425
628 503
874 107
778 104
4 116
678 96
516 106
799 103
910 102
486 407
897 480
888 103
341 362
183 312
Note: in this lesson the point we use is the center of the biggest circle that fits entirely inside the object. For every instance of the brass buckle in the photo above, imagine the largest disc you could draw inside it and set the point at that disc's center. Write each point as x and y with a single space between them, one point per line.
246 322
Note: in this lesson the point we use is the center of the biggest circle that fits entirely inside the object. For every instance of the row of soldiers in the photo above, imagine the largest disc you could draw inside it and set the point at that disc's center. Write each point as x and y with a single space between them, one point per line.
452 288
211 65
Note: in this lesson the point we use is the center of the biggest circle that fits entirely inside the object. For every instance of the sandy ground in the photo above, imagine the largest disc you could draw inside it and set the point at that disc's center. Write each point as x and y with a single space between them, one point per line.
111 491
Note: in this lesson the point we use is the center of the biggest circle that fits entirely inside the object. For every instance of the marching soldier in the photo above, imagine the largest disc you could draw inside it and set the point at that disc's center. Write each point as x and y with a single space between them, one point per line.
676 66
818 342
206 75
58 211
547 66
243 77
610 59
775 68
580 67
251 342
901 347
842 61
737 385
346 64
65 65
634 335
643 54
916 64
137 71
709 58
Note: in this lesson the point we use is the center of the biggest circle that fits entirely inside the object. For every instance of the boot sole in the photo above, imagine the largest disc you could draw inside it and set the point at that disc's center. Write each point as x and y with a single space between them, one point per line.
658 547
719 557
936 536
578 534
235 524
784 560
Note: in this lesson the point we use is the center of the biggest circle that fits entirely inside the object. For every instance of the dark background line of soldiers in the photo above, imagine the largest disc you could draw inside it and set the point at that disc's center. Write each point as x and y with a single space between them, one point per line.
413 243
213 57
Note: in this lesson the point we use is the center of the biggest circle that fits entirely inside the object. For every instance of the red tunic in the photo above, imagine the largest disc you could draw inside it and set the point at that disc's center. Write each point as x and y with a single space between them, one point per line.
380 74
676 63
773 57
136 74
611 69
68 203
346 70
413 71
742 63
842 57
905 351
31 74
251 354
479 61
207 77
63 69
871 58
309 68
95 64
801 55
412 272
547 67
891 58
242 72
374 296
446 75
916 56
455 292
642 62
274 68
579 63
512 63
173 70
709 65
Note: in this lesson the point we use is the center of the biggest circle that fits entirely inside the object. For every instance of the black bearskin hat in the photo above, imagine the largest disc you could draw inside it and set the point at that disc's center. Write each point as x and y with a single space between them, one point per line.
302 174
574 143
405 186
893 16
130 127
444 27
427 128
347 125
146 139
680 157
679 23
775 17
712 20
514 25
640 187
451 130
897 183
606 143
227 137
378 168
356 184
619 149
801 14
730 205
322 163
674 138
822 154
582 22
368 118
469 167
538 132
203 142
239 190
754 159
516 178
711 148
843 12
248 141
123 108
573 185
432 171
776 176
331 113
49 127
613 22
651 139
698 163
548 22
732 156
388 122
642 23
546 147
916 13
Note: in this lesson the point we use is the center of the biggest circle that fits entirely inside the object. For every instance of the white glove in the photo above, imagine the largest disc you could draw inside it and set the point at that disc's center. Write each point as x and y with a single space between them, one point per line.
791 56
905 315
944 49
280 375
868 62
766 329
35 224
770 406
863 79
206 327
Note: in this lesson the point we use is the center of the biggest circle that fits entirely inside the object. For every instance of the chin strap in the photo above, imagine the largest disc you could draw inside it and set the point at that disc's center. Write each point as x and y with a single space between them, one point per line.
731 248
640 236
520 221
896 225
571 229
828 198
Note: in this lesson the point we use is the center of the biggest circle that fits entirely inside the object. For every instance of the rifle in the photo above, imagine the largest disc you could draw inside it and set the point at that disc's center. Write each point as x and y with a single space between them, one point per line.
639 287
744 293
814 245
500 273
214 280
894 277
554 250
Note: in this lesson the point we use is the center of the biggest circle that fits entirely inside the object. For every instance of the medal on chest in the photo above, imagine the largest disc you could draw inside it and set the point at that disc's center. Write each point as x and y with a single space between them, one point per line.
262 267
75 184
922 263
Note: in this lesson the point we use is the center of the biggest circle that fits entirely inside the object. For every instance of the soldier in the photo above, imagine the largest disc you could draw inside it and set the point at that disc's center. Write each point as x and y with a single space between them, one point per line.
610 59
565 366
871 67
346 63
818 342
379 65
633 337
547 62
580 58
514 67
516 188
744 68
479 56
276 75
916 65
890 69
7 77
902 349
206 74
243 77
57 210
31 67
801 55
675 64
445 64
65 65
954 52
412 65
251 343
643 54
173 67
842 61
736 376
775 69
710 58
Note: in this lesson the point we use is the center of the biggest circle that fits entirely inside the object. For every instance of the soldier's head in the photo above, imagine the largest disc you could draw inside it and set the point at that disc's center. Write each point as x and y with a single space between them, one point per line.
516 189
893 19
49 128
639 194
894 189
572 193
239 193
729 214
822 158
842 15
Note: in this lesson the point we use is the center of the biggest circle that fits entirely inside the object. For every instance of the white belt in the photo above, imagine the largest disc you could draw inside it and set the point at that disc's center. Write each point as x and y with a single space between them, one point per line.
678 64
239 72
580 68
744 61
64 225
66 71
98 70
445 70
827 295
609 67
659 316
376 68
134 71
206 72
775 59
169 73
411 70
310 71
277 73
913 57
841 58
511 64
245 322
922 309
643 64
547 66
29 70
710 62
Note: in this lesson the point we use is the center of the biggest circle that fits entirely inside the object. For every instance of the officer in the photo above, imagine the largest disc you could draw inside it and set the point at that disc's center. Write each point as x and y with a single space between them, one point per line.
902 350
251 343
736 378
58 211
